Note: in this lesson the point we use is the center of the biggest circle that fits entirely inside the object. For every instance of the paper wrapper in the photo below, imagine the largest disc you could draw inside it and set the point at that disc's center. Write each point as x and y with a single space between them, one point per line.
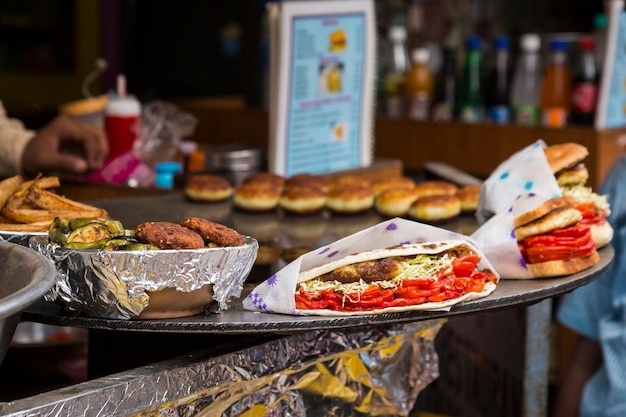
276 294
526 171
115 284
498 242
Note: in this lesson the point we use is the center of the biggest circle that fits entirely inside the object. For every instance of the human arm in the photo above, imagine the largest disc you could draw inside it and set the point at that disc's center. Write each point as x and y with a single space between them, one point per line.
13 139
585 361
65 145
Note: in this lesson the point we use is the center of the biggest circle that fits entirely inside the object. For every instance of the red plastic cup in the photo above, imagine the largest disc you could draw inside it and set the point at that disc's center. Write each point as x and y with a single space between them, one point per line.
122 123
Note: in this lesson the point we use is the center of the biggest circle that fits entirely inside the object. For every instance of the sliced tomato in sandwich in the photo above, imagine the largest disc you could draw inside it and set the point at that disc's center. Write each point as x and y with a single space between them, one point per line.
559 245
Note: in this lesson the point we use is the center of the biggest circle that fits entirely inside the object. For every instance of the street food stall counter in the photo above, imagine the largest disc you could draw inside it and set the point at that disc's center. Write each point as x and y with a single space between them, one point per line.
239 362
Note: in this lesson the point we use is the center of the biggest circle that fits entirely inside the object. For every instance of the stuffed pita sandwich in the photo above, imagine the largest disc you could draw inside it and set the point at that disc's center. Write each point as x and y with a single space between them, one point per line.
419 276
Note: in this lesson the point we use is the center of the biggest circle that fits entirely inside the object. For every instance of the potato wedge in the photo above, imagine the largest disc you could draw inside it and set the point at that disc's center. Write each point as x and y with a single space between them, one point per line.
51 201
33 215
25 227
8 187
28 206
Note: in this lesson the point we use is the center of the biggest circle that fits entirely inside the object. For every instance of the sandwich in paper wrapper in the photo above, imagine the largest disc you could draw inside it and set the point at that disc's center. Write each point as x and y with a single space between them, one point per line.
538 217
525 171
397 265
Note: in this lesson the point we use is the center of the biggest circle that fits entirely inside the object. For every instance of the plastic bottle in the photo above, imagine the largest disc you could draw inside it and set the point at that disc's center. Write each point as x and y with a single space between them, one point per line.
471 94
585 84
599 33
556 87
499 82
445 90
419 86
122 120
527 78
395 68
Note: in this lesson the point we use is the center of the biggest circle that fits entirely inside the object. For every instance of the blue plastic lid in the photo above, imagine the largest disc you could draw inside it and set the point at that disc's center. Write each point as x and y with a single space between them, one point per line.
165 173
474 42
558 45
501 42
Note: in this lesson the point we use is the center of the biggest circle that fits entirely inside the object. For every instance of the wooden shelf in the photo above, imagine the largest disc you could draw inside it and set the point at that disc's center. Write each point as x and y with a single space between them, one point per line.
475 148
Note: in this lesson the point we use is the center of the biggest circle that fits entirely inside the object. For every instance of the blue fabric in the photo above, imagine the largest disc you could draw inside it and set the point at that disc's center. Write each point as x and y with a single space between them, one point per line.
598 311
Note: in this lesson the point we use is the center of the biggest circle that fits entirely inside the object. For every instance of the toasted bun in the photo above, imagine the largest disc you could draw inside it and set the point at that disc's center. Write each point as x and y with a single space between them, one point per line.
350 198
556 219
469 196
436 208
557 268
302 199
395 202
434 187
391 183
602 234
565 155
572 176
208 188
307 180
254 196
542 209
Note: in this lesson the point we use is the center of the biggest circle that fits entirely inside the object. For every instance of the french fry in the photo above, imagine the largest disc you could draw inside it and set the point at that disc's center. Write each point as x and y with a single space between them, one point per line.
41 182
51 201
33 215
28 206
8 187
25 227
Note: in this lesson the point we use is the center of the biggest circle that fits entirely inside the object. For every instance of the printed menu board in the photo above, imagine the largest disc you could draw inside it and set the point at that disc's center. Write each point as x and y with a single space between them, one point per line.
611 112
322 57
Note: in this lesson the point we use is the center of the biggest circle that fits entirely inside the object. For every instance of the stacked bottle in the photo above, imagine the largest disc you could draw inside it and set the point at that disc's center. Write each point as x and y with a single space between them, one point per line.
499 81
419 86
471 96
585 84
445 90
395 66
556 88
527 77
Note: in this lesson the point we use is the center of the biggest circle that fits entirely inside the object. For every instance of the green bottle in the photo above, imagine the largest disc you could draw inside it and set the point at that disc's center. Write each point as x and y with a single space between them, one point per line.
471 95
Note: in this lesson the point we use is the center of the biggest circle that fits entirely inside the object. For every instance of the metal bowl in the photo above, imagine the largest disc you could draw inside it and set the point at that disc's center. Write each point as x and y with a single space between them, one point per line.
25 277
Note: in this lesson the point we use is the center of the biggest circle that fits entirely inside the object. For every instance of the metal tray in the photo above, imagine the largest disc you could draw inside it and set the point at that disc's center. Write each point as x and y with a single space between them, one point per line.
280 229
509 293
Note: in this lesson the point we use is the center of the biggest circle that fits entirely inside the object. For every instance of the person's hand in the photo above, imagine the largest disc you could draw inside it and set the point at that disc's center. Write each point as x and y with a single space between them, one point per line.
67 146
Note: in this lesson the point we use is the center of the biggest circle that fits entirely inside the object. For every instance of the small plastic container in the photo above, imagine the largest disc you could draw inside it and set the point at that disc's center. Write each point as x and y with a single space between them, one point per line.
165 172
89 110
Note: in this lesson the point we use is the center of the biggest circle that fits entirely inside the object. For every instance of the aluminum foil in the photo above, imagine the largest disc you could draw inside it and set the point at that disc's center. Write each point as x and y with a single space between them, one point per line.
20 238
373 371
114 284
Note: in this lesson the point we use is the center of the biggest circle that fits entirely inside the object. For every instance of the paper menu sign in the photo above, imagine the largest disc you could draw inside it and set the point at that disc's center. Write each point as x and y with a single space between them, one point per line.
611 109
322 63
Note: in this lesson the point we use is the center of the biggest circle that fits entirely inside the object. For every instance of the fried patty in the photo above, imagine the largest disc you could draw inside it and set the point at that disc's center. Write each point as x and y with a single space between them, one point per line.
213 232
368 271
168 235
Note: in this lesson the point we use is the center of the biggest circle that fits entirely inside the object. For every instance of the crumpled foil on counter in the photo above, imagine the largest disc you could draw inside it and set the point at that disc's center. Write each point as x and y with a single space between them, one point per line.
374 371
20 238
114 284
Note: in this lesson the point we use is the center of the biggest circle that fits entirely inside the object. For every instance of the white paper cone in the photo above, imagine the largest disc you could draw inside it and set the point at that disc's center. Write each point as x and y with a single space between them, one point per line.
526 171
276 294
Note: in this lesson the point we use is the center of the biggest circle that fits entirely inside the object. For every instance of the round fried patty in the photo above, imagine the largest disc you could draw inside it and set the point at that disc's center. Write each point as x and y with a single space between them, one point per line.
168 235
213 232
